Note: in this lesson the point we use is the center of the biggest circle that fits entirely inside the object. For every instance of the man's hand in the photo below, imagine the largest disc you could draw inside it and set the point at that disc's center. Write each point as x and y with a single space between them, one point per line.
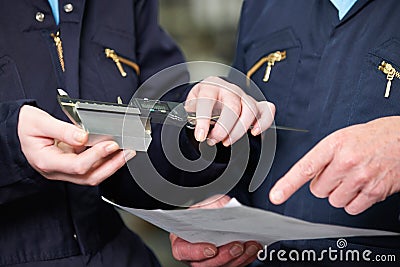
354 167
56 150
208 255
238 111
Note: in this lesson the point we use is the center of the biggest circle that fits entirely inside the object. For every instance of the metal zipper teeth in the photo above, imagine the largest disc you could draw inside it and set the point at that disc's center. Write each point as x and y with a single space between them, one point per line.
386 68
58 43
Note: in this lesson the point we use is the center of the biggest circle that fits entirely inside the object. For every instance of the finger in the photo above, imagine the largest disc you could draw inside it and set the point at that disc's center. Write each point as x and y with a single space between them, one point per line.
359 204
70 149
190 102
214 202
229 116
251 249
44 125
304 170
109 167
248 115
76 164
80 149
65 147
370 192
98 174
342 195
226 254
326 182
266 117
204 108
185 251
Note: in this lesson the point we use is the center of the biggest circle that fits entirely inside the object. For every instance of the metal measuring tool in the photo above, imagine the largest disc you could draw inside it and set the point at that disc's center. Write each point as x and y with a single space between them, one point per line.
129 125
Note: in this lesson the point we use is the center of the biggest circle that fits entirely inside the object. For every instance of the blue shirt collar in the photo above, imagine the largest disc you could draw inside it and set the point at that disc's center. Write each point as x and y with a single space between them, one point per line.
54 9
343 6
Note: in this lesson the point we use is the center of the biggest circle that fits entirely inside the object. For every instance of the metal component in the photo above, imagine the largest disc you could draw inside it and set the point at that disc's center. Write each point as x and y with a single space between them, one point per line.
118 60
272 58
284 128
57 41
68 8
391 73
276 56
111 54
129 125
121 124
39 16
191 123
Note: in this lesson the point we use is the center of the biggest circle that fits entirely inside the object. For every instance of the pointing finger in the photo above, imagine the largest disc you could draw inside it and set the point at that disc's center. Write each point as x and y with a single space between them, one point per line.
303 171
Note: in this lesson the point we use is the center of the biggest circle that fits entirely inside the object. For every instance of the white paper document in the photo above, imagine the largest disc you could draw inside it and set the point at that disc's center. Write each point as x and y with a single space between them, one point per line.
236 222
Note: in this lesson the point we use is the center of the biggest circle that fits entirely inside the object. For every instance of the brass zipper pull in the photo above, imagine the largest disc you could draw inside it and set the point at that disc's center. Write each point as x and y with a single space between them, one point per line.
57 40
390 72
270 59
111 54
118 60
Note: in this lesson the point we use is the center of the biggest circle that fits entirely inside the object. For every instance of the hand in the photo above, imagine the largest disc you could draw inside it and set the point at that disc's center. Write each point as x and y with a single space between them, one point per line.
355 167
56 150
204 254
238 111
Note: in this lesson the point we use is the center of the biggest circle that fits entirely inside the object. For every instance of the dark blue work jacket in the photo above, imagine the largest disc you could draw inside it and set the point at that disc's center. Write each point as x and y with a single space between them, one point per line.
42 220
329 80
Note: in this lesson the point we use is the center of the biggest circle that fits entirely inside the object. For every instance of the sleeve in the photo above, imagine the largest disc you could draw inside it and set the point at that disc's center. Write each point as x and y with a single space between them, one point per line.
155 48
18 178
238 62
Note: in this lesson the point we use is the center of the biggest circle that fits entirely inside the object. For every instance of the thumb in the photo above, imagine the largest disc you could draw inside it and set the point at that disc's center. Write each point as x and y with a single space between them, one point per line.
185 251
214 202
38 123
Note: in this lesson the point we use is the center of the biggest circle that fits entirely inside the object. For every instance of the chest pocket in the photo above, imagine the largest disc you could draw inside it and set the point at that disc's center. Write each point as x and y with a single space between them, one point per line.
115 64
278 88
370 102
10 82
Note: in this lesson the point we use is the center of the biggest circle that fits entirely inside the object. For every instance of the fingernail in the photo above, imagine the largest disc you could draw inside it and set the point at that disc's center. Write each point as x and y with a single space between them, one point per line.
256 131
252 250
236 250
211 142
209 253
79 136
277 196
200 135
129 154
226 143
112 147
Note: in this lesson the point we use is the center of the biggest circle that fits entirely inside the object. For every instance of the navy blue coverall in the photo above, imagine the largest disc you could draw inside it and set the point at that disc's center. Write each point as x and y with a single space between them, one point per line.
51 223
328 80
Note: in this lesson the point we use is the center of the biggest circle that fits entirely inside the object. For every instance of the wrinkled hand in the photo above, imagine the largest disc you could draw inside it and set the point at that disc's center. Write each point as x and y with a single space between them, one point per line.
354 167
208 255
56 150
238 111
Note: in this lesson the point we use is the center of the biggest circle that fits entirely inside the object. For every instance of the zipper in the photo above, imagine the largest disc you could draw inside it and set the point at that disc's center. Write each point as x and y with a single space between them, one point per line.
57 41
276 56
391 73
118 60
